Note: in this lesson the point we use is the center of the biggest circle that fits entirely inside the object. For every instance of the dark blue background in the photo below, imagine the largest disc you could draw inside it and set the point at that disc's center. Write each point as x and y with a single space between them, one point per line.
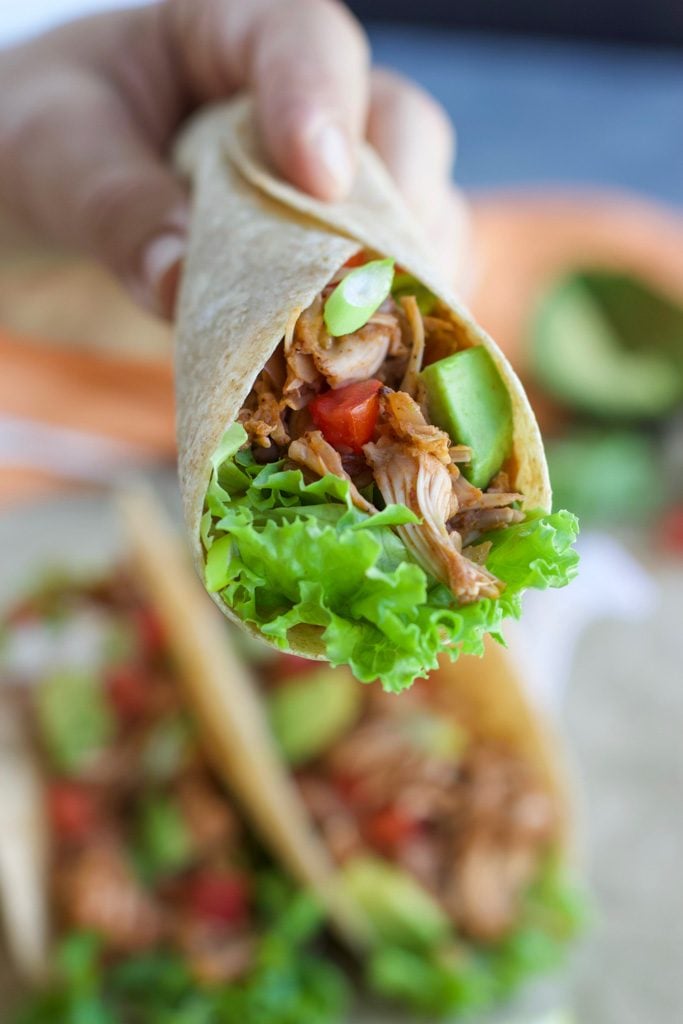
539 111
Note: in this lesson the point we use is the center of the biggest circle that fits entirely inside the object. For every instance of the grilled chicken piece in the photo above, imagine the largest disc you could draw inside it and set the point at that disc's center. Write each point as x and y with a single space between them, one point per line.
313 452
413 477
98 891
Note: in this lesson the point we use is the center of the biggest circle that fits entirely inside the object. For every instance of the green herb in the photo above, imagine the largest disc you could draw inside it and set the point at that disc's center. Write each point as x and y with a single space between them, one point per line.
358 296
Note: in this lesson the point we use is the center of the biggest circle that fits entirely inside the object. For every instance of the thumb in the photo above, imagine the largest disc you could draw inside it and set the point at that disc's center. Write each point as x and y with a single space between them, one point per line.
79 168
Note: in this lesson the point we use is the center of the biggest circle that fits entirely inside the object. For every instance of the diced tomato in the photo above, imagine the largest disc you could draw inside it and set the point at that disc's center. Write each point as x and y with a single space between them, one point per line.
348 416
288 666
358 259
150 631
72 809
390 828
128 689
672 529
219 896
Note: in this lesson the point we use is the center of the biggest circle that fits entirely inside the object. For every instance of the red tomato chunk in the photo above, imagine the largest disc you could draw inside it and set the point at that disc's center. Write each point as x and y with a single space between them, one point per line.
347 416
220 897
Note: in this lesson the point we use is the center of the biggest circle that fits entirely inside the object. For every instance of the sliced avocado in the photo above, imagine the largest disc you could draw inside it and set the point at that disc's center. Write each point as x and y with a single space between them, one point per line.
468 399
400 911
74 717
308 713
608 345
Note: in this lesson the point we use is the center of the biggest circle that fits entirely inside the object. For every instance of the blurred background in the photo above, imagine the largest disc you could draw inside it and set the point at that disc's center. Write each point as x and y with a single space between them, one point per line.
570 153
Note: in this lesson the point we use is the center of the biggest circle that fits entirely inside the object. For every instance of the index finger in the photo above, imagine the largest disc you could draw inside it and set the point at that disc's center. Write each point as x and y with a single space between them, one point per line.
307 62
310 74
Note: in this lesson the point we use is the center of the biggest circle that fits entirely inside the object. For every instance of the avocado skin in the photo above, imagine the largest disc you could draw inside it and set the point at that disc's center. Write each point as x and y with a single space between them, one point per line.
308 713
468 399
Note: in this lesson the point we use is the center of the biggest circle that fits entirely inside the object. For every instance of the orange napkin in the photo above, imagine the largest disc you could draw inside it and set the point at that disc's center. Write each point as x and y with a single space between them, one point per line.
69 416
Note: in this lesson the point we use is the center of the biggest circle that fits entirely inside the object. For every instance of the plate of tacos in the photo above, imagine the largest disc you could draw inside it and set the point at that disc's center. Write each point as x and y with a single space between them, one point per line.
193 823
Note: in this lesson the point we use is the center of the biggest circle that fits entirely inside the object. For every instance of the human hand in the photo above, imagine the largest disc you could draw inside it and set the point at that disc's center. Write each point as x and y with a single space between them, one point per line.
91 108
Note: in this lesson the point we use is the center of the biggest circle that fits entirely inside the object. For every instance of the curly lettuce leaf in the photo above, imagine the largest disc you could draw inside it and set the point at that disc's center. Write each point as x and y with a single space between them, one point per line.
282 553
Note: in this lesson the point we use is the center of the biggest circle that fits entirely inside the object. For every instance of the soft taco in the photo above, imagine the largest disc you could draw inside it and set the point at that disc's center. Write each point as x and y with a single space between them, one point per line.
132 888
448 817
362 475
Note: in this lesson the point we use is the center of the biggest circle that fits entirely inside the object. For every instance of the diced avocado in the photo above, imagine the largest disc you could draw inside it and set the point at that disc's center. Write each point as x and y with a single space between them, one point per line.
438 735
309 712
469 400
399 910
165 843
609 346
74 718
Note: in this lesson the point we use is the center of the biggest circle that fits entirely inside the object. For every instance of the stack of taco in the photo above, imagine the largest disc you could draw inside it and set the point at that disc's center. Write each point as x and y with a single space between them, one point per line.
363 477
432 828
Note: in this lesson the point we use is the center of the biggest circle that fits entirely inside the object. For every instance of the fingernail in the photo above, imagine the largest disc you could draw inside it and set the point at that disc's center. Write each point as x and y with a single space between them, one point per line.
161 263
333 152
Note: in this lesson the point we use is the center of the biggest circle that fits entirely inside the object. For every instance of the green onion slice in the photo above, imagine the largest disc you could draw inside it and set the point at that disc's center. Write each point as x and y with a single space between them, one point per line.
358 296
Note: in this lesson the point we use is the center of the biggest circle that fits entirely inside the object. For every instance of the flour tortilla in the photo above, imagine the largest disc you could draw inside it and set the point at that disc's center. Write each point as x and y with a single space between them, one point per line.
260 251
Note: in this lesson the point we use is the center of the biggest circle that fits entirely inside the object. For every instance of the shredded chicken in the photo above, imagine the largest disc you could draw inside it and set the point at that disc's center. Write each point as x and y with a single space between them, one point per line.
419 480
460 453
442 338
342 360
98 891
264 423
313 452
403 420
473 522
414 317
209 818
486 889
214 956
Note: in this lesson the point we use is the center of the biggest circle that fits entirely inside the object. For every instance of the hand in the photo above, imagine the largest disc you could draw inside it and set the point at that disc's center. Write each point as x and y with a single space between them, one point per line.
89 112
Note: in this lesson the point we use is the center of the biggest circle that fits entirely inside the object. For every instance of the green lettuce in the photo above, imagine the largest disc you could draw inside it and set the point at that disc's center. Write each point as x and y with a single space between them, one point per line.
287 985
460 980
282 553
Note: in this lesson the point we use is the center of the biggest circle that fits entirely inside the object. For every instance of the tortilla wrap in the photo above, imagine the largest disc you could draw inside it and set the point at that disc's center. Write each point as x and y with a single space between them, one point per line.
260 251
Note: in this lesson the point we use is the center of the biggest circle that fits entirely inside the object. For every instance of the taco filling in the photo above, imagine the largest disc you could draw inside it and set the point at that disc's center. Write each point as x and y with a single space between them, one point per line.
450 841
368 485
164 904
